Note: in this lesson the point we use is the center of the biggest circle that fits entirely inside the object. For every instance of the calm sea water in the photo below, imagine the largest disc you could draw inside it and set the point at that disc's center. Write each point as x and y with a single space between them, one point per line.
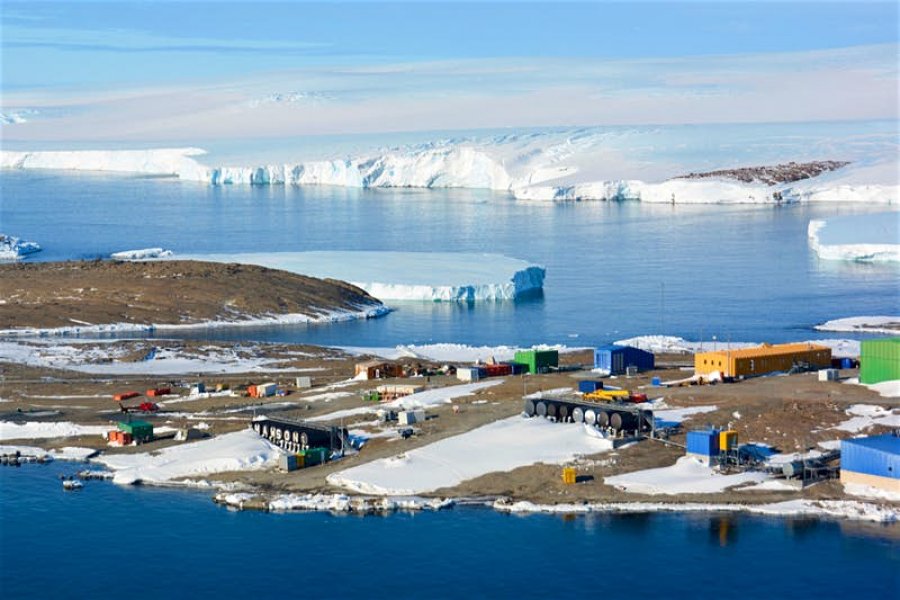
151 543
613 269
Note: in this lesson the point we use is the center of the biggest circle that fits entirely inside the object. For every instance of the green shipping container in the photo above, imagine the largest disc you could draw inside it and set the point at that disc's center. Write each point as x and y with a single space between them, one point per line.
139 430
538 361
879 360
313 456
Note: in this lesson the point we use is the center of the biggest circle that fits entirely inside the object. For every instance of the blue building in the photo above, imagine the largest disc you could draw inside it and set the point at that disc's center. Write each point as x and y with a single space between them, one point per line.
872 461
615 359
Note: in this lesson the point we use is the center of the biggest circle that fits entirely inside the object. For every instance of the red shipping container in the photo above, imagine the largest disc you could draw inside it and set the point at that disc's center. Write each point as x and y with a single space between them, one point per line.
125 396
158 392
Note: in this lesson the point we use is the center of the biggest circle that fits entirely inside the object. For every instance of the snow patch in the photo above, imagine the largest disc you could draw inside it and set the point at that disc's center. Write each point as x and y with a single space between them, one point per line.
687 476
875 324
143 254
33 430
866 416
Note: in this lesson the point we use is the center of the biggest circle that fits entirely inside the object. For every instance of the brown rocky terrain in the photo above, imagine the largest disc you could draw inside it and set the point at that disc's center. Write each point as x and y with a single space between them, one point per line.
772 175
66 294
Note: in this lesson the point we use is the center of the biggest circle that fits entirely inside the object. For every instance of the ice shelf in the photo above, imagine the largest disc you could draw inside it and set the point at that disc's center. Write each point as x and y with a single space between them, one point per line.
431 276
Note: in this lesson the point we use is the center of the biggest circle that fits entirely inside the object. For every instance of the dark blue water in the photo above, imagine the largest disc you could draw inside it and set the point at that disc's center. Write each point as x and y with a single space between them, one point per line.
149 543
613 269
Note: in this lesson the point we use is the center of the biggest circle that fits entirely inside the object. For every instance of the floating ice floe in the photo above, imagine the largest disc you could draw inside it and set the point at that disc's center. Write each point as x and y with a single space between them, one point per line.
13 248
242 450
69 453
430 276
862 238
500 446
874 324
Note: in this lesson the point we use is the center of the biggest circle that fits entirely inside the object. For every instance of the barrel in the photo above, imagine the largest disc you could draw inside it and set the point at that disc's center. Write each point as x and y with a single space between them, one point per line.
590 417
563 412
620 420
603 419
529 408
541 409
578 415
552 409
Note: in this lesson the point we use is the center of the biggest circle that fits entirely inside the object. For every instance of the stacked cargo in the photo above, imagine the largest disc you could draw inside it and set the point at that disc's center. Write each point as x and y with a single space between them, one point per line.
879 360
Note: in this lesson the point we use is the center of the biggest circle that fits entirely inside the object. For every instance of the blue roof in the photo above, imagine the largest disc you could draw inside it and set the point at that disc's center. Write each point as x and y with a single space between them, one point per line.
611 347
885 443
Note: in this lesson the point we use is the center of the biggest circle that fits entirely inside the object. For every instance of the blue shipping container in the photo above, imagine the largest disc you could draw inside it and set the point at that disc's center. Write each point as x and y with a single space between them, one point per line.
846 363
615 359
586 387
704 442
877 455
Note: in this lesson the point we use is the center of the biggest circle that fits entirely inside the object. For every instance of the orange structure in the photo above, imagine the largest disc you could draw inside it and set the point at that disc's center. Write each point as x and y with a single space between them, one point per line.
748 362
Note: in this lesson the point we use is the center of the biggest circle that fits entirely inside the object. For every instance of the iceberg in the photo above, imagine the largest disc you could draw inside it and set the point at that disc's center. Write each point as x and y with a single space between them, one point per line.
417 276
13 248
143 254
864 238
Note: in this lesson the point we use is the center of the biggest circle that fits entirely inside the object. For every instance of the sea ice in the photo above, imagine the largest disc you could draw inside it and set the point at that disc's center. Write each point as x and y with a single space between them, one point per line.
864 238
431 276
875 324
13 248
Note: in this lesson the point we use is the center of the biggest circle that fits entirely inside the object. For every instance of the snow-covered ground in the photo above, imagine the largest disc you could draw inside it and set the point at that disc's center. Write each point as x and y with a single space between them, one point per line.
13 248
866 416
243 450
142 254
33 430
451 353
161 361
687 476
428 398
551 164
668 343
430 276
873 493
73 453
874 324
871 237
500 446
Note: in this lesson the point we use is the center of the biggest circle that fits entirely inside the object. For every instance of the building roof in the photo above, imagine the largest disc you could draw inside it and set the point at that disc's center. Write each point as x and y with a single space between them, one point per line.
614 347
767 350
885 443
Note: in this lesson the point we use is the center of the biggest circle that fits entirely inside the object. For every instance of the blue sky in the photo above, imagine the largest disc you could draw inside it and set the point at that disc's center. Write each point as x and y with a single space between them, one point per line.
48 44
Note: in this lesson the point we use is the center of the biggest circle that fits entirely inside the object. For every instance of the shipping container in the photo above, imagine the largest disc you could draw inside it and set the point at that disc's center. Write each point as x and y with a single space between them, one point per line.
704 443
313 456
264 390
516 368
879 360
469 373
141 431
537 361
748 362
588 386
828 375
728 440
156 392
569 475
877 455
125 396
288 462
615 359
304 382
410 417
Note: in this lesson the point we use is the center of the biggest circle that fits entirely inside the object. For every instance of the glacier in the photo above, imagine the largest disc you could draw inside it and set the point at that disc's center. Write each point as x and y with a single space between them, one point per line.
549 165
416 276
871 237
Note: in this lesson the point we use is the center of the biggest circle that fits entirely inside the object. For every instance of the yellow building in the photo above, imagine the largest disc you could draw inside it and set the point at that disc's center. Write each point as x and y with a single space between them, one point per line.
748 362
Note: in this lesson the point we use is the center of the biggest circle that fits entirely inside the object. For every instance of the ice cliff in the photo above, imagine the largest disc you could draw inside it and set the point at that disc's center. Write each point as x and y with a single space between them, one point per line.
864 238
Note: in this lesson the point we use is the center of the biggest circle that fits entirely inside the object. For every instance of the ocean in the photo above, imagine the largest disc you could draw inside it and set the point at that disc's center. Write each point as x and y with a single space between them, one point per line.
105 540
614 270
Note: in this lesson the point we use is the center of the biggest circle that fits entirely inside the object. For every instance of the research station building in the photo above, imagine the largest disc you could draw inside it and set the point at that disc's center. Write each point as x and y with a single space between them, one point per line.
748 362
879 360
872 461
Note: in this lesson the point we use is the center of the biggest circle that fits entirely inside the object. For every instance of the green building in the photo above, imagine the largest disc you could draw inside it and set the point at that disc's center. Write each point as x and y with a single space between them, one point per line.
879 360
537 361
141 431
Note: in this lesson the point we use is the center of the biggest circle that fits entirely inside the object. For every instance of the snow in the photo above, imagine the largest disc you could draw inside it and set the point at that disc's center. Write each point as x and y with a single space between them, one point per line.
871 237
33 430
102 361
450 353
428 276
13 248
558 164
874 324
143 254
243 450
838 509
687 476
425 399
69 453
870 492
499 446
772 485
678 415
865 416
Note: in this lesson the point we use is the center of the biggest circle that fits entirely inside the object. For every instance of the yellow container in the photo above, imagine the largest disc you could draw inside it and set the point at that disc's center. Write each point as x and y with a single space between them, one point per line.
728 440
569 474
606 395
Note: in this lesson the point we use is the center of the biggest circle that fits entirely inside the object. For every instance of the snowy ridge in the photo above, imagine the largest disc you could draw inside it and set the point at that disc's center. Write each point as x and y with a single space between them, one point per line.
548 165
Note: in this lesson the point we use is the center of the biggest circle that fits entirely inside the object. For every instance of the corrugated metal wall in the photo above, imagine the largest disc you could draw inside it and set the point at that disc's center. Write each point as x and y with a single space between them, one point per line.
863 456
879 360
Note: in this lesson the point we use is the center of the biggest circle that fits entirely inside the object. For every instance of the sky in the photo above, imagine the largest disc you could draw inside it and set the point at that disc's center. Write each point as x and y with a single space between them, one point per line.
342 67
